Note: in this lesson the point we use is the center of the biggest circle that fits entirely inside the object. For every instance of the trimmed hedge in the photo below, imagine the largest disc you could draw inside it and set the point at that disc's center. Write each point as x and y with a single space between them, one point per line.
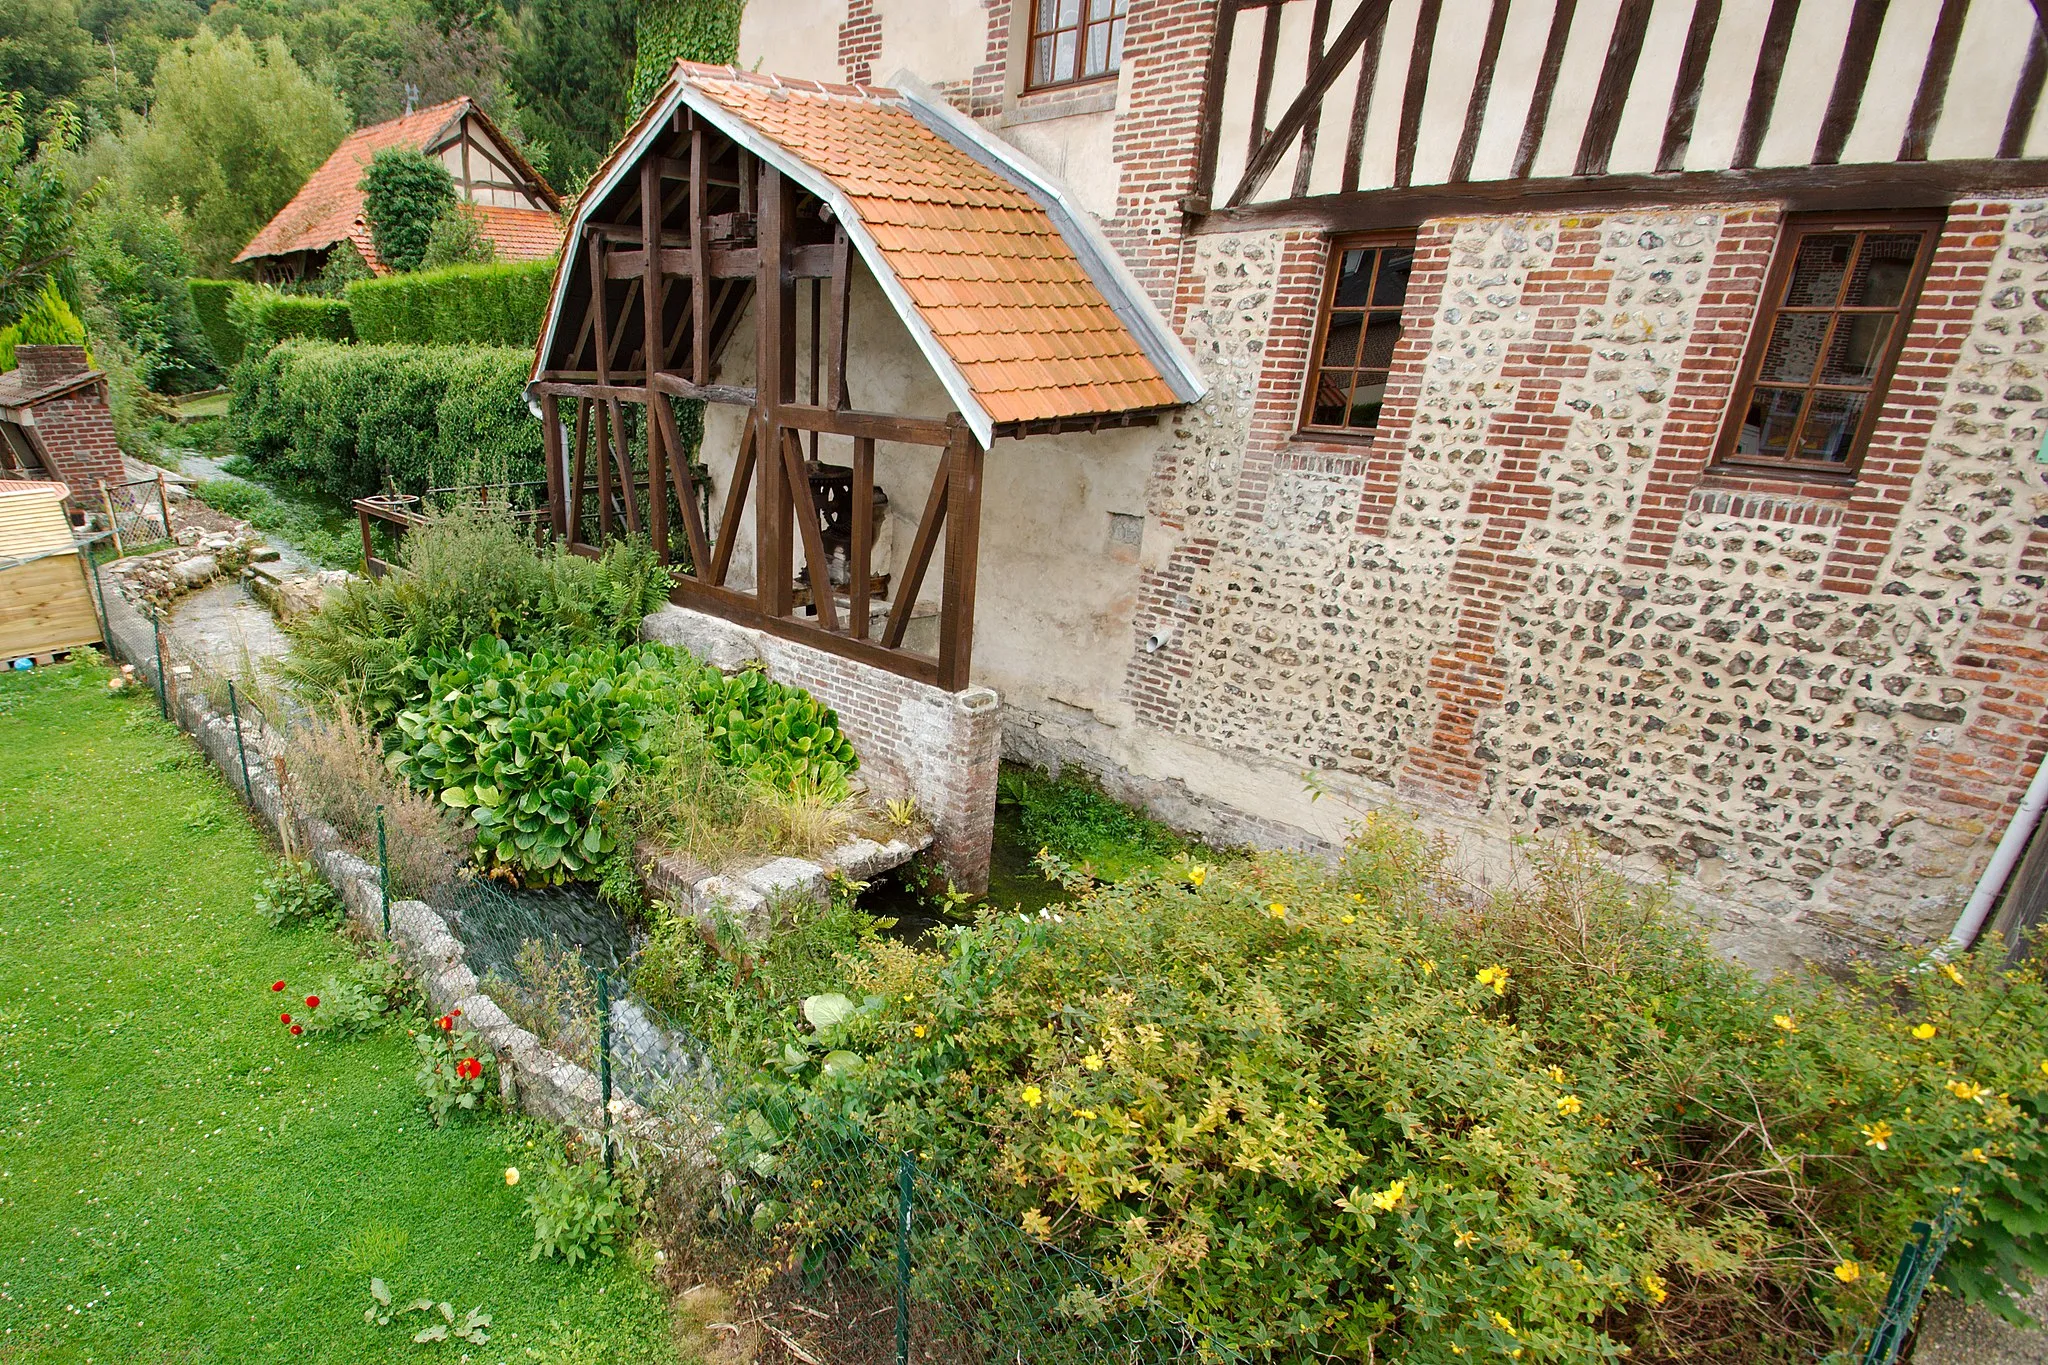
267 317
343 417
210 301
477 305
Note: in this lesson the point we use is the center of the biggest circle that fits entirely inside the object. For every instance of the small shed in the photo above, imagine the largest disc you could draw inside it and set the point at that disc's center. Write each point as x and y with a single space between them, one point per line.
45 603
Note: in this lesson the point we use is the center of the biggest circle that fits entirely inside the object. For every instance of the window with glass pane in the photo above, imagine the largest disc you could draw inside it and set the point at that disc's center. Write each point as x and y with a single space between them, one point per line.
1074 40
1361 322
1836 309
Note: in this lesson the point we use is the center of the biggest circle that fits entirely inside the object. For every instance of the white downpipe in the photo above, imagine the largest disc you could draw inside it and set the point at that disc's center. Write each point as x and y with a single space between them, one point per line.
1971 922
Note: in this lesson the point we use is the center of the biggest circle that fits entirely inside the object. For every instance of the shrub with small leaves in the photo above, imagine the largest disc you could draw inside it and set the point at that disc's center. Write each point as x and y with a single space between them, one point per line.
297 894
578 1209
452 1065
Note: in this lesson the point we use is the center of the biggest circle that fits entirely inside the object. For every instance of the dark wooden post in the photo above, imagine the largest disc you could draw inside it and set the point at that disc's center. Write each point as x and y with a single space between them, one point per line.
577 469
963 554
551 442
775 373
654 353
700 259
860 583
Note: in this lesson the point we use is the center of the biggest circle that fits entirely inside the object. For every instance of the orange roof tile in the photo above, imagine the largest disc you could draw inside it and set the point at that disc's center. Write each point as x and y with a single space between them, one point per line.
982 260
329 207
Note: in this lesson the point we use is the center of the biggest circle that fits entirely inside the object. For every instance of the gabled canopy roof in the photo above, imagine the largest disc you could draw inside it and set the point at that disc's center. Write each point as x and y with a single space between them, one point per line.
329 207
1014 297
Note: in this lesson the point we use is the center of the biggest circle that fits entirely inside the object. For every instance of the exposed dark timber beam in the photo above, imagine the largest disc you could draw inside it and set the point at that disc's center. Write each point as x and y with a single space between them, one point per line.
1802 189
1851 76
1933 91
1318 31
1212 100
1624 49
1763 86
1538 116
813 262
2019 119
879 426
1416 88
1262 88
1267 152
745 610
1361 101
1482 93
678 387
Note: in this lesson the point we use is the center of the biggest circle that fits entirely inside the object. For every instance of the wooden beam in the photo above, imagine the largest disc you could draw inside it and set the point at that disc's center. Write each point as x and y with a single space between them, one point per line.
1624 50
742 608
1212 101
652 299
1685 92
2026 96
551 451
603 352
623 458
1318 31
1267 153
1933 91
774 375
920 559
1482 92
860 582
1851 75
700 261
836 319
1763 87
1361 100
1538 116
575 531
619 333
686 486
811 261
602 453
738 395
963 557
808 530
1262 84
1803 189
1413 91
880 426
735 502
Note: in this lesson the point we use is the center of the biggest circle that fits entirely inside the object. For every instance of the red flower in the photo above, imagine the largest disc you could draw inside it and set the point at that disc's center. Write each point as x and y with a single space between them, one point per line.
284 1018
312 1002
278 987
297 1029
469 1068
447 1023
456 1012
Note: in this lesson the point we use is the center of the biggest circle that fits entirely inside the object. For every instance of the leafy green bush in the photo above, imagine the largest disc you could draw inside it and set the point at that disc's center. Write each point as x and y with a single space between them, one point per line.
476 305
344 418
783 733
404 193
375 989
210 303
1077 821
578 1210
297 894
265 317
137 265
48 321
458 239
1353 1114
453 1064
531 745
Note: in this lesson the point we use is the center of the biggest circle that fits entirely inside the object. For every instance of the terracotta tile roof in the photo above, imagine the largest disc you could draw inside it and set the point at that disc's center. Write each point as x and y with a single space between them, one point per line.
982 260
329 207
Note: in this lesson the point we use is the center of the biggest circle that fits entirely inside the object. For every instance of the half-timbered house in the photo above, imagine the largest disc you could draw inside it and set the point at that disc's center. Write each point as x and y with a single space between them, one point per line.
1623 416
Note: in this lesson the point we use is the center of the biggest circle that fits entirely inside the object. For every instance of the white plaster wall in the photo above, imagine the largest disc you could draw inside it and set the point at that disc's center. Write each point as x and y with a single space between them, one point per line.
1078 151
793 38
941 42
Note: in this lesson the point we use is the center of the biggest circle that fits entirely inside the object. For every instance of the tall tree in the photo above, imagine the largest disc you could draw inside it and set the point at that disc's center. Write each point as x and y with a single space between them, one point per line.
404 195
44 55
235 128
36 216
571 65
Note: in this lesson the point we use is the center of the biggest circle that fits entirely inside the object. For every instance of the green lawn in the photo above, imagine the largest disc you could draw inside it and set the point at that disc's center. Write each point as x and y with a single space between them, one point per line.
180 1180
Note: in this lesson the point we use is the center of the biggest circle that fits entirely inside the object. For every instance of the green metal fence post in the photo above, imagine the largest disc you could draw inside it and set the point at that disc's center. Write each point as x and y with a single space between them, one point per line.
163 696
99 599
906 1188
604 1062
383 875
242 753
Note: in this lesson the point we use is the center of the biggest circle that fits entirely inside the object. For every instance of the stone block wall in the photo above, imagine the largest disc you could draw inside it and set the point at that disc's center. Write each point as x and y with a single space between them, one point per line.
1528 603
940 748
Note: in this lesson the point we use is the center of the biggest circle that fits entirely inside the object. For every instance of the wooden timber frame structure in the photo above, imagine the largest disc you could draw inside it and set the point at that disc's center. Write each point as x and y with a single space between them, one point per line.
711 229
700 219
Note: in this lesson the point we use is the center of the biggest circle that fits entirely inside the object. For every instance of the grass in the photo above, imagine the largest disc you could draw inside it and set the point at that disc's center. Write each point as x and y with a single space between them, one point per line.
206 405
179 1179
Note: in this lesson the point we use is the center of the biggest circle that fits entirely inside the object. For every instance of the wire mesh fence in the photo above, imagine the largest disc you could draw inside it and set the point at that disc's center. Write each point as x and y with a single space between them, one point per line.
1918 1260
136 514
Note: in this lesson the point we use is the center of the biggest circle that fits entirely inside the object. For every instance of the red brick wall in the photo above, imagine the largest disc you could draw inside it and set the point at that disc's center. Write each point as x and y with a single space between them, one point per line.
1166 50
77 432
860 41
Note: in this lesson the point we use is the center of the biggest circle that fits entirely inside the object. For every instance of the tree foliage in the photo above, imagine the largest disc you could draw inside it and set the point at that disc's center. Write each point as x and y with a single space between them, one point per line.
44 55
670 31
570 65
457 239
36 215
404 194
135 258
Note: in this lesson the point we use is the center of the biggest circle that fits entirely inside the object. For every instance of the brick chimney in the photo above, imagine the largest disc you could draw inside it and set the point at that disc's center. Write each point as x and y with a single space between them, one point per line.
42 365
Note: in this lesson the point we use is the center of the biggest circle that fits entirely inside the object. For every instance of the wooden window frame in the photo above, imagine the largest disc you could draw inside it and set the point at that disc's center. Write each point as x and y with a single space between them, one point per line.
1034 81
1305 427
1770 304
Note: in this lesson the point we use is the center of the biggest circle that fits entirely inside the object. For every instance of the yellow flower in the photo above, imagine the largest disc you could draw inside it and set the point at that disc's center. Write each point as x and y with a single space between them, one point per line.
1032 1095
1786 1022
1037 1224
917 1030
1653 1285
1277 910
1504 1322
1429 969
1496 977
2044 1068
1347 919
1084 1113
1848 1272
1877 1135
1464 1239
1197 875
1093 1061
511 1175
1948 969
1977 1155
1556 1073
1968 1090
1923 1031
1568 1104
1389 1197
